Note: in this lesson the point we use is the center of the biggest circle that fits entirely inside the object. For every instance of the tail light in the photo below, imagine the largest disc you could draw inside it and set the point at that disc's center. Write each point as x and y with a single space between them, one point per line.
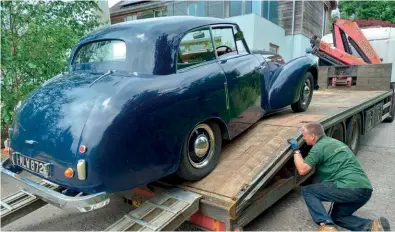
207 222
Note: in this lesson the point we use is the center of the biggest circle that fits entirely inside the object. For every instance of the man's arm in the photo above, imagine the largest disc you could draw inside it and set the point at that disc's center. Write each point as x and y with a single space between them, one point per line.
302 167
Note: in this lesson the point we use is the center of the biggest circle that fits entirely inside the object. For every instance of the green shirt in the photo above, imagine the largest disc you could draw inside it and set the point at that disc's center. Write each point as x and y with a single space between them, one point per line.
335 162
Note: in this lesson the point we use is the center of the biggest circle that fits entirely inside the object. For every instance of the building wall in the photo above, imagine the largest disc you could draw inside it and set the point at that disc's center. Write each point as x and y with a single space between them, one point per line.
211 8
216 9
313 18
260 32
285 11
246 24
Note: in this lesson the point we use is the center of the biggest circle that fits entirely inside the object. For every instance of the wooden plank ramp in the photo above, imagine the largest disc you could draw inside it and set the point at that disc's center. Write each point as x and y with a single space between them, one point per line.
243 158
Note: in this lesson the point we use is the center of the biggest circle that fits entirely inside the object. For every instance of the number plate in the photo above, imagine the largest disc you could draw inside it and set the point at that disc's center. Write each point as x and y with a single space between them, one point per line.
32 165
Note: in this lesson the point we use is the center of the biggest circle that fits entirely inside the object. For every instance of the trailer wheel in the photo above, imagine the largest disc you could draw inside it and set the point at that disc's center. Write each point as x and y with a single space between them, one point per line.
392 114
201 152
353 133
306 93
337 132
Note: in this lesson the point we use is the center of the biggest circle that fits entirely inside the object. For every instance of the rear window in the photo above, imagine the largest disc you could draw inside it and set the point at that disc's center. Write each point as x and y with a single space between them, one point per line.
109 53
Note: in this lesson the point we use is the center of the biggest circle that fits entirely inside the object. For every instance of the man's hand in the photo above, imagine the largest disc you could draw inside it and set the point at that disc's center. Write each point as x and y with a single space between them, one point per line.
294 144
300 165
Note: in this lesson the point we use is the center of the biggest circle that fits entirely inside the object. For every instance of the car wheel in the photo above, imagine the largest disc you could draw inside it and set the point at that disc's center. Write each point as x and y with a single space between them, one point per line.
337 132
201 152
353 133
306 93
392 112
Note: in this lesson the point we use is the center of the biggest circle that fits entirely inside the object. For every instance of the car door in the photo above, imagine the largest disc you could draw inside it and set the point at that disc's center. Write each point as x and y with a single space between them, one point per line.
202 80
242 71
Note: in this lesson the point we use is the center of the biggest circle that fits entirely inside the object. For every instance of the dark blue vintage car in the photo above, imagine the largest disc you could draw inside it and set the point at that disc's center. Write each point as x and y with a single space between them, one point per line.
145 99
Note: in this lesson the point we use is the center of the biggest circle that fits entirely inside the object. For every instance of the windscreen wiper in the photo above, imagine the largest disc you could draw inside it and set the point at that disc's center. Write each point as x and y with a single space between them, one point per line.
102 76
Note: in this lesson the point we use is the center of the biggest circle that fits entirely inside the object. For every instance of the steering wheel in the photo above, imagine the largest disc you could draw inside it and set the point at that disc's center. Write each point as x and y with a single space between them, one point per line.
228 49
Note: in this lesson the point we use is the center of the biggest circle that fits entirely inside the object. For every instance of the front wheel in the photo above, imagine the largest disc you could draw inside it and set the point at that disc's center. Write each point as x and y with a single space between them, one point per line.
306 93
201 152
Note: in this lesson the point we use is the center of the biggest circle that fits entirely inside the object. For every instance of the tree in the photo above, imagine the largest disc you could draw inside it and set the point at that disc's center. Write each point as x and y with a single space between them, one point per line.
36 37
381 10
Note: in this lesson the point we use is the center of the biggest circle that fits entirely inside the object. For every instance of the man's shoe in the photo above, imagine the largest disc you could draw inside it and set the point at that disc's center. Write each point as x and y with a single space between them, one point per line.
380 224
327 228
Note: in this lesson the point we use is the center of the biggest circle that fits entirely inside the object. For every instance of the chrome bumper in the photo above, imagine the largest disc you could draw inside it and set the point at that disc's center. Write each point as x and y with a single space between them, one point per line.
68 203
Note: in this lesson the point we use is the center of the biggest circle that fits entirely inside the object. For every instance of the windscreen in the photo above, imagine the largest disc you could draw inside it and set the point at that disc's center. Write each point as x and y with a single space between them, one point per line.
101 56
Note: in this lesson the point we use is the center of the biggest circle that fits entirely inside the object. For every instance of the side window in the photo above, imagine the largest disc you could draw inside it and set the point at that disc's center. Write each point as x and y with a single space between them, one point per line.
240 45
224 41
196 47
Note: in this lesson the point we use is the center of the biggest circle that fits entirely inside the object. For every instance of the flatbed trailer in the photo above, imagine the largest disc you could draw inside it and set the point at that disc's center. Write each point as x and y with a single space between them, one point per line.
256 169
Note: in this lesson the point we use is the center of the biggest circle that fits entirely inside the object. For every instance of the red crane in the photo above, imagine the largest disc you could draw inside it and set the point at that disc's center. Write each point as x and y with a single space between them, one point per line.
345 33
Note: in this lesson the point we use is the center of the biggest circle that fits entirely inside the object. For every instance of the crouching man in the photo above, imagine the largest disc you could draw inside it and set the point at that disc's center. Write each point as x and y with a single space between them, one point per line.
343 182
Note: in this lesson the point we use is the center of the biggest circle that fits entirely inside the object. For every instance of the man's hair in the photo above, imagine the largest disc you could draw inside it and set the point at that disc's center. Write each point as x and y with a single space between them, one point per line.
315 128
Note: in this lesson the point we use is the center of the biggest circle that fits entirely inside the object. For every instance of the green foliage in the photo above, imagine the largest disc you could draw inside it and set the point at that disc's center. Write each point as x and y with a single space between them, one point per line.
381 10
36 38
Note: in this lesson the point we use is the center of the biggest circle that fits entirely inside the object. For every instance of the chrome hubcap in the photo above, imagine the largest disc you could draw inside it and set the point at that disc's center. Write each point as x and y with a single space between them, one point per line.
306 92
201 146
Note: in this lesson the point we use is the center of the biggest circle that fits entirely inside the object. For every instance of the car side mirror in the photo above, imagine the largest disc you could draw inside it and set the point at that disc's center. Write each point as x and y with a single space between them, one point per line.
239 36
309 50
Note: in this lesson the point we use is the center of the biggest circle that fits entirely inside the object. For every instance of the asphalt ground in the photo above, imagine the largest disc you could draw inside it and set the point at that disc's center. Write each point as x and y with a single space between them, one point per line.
377 155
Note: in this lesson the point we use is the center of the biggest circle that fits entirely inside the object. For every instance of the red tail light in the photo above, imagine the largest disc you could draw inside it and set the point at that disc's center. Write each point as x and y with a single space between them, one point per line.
82 149
207 222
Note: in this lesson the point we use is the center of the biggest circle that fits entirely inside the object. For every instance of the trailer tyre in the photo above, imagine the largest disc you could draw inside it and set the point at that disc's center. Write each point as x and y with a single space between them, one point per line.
201 152
392 112
337 132
353 133
306 93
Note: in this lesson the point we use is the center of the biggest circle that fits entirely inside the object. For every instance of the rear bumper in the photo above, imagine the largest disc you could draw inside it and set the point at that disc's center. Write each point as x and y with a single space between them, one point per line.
83 203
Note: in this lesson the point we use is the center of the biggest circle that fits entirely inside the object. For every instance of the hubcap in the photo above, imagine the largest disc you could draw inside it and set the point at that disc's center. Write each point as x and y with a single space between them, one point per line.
306 92
201 146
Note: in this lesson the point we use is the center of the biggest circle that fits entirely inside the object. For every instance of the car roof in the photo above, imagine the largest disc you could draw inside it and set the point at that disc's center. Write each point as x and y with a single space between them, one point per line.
150 43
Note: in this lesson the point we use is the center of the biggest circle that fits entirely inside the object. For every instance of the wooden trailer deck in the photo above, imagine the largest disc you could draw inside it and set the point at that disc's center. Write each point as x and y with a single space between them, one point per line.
256 149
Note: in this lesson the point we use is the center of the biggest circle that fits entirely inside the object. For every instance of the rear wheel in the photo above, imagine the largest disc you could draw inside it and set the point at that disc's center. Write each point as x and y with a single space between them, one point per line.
337 132
392 112
306 93
353 133
201 152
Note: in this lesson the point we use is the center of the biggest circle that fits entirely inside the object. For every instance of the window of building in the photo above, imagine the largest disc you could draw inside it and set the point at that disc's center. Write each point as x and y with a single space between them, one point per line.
160 13
147 14
256 7
235 8
196 9
131 17
247 6
273 48
195 48
270 10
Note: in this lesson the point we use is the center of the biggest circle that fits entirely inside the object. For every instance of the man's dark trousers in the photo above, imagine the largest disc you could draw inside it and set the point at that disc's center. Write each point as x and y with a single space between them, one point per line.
346 202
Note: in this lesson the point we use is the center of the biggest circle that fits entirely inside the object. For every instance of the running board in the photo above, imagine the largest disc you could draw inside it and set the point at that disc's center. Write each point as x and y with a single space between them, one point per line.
20 204
164 212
